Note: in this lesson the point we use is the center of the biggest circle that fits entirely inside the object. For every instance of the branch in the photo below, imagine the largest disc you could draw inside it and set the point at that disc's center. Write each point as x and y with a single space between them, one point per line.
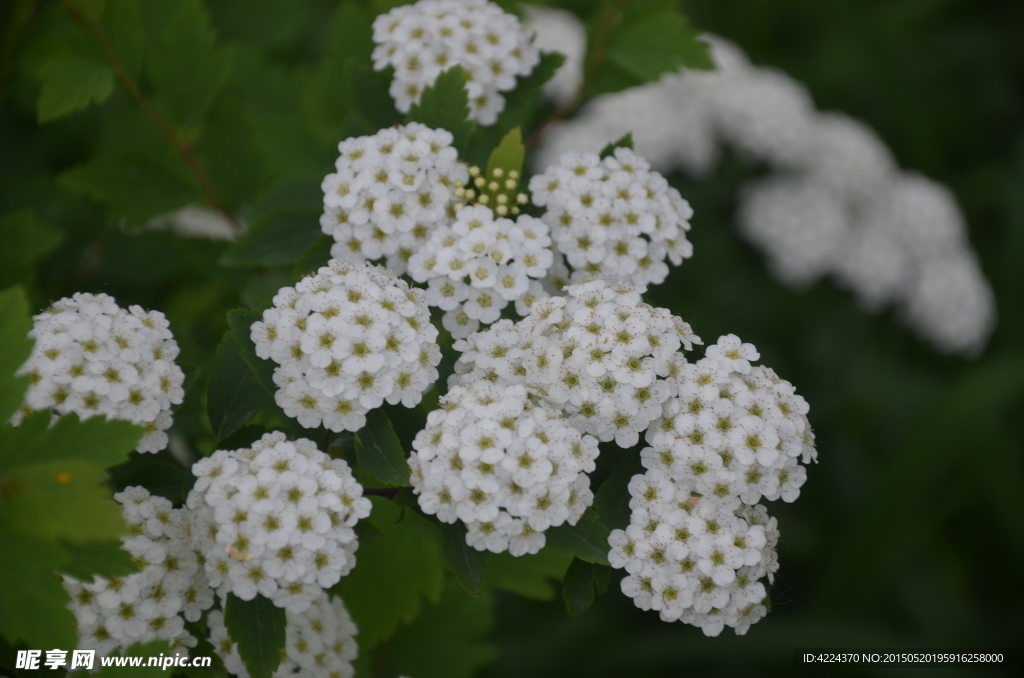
185 149
594 58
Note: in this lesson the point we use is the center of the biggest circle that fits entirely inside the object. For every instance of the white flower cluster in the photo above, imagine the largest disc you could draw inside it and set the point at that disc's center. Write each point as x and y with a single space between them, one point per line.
598 354
697 542
92 357
839 205
478 265
423 39
391 190
506 465
276 519
153 603
319 642
345 340
613 217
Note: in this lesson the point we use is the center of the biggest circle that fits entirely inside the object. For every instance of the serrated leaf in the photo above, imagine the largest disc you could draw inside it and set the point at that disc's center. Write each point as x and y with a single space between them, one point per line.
240 320
611 501
186 67
393 574
656 43
233 394
586 540
133 187
445 105
258 628
449 639
72 82
508 155
582 581
379 452
92 559
466 563
625 142
25 241
531 576
285 222
33 601
96 440
60 499
154 648
15 348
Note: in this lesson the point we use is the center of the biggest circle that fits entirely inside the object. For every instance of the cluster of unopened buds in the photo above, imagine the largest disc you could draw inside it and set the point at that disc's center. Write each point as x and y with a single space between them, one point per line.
498 191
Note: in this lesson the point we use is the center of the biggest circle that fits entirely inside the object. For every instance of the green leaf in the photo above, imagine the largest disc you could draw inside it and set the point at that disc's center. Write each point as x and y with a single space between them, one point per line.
240 320
62 498
379 452
257 627
393 574
285 222
124 27
611 501
25 241
445 105
154 648
70 83
582 581
233 394
133 187
314 258
33 601
530 576
587 540
351 33
204 648
186 68
96 559
15 348
466 563
96 440
625 142
508 155
655 43
373 102
448 640
159 473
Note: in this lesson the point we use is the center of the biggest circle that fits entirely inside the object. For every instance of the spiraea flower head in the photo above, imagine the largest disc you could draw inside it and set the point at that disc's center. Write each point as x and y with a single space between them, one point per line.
507 465
154 603
422 40
318 642
389 192
276 519
93 357
346 339
613 217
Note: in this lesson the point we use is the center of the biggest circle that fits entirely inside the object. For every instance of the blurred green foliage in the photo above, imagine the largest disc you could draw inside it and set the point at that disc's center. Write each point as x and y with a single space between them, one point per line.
907 532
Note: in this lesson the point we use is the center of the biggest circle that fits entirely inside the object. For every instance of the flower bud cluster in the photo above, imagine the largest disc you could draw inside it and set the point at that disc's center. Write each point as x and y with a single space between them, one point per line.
92 357
345 340
153 603
614 216
276 519
423 39
480 264
598 354
499 191
695 559
505 464
390 191
318 642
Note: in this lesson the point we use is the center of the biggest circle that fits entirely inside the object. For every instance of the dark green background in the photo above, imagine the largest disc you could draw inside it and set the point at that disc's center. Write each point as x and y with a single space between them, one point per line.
908 533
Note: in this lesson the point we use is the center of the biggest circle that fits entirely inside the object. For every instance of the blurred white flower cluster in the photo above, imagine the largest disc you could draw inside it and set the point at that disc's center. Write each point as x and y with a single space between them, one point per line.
836 205
345 340
423 39
151 604
93 357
